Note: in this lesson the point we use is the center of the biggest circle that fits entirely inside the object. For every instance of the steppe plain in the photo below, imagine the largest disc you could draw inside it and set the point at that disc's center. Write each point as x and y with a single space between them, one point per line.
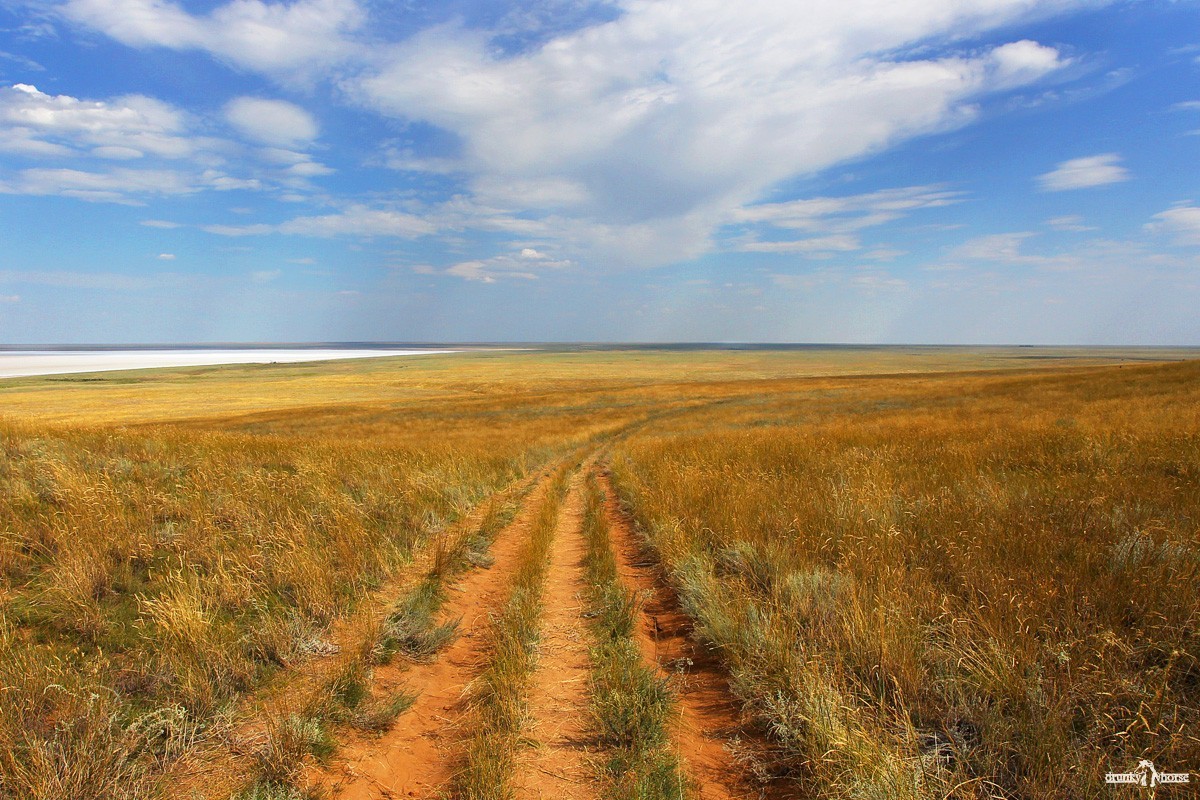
590 572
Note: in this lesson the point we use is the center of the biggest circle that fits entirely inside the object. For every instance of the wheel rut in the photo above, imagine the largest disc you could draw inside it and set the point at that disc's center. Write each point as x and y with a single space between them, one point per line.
556 765
415 759
710 728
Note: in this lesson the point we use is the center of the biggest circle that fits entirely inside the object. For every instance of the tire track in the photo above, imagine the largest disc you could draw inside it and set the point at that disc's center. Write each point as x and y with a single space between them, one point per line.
710 729
416 757
557 765
216 768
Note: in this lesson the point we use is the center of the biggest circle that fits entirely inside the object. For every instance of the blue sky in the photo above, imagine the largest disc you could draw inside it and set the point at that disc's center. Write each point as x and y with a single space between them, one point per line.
978 171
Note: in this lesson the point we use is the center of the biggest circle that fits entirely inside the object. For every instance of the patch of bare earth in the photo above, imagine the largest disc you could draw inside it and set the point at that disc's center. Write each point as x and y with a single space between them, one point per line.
417 756
556 766
710 730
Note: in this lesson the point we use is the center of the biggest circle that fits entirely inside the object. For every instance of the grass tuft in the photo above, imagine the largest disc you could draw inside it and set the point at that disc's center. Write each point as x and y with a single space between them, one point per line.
632 708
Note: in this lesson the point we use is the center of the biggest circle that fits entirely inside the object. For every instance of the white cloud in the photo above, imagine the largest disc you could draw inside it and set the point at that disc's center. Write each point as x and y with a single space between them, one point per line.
227 183
1018 63
308 169
676 114
115 186
523 265
1008 249
360 221
10 298
1182 223
160 223
38 124
272 122
1070 223
849 213
1083 173
356 220
166 256
141 129
992 247
816 245
271 37
627 142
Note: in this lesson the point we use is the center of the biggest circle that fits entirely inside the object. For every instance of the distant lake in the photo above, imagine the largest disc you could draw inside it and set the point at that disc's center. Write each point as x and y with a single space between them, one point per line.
23 363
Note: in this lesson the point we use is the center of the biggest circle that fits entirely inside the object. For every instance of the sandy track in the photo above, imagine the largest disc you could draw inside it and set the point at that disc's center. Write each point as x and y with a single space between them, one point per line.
710 717
556 767
417 756
217 768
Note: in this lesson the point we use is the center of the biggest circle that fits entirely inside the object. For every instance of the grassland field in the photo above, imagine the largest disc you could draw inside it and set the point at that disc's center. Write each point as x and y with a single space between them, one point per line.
916 572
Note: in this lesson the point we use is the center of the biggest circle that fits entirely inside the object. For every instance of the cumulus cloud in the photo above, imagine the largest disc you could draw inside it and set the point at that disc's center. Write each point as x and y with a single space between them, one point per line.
34 123
1182 223
523 265
1018 63
114 186
1084 173
273 122
676 112
166 256
278 38
631 140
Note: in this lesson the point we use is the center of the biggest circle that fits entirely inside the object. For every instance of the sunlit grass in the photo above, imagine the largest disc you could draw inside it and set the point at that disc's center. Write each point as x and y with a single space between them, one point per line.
632 708
981 583
919 580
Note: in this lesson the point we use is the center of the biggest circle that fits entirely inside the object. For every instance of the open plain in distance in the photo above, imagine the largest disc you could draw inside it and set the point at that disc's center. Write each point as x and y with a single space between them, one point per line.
603 573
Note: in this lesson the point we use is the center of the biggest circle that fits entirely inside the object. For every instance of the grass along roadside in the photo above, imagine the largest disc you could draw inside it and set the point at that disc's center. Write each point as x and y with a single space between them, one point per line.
632 707
499 695
411 630
967 587
301 716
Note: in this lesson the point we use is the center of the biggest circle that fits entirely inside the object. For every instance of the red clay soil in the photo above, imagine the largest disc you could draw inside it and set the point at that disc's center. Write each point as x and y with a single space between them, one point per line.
556 766
711 718
416 757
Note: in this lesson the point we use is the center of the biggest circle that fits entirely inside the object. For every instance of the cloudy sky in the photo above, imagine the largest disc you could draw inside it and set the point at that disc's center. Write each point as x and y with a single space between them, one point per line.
974 171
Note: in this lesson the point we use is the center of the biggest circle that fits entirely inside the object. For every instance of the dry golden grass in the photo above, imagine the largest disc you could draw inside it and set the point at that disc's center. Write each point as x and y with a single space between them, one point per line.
983 577
977 586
